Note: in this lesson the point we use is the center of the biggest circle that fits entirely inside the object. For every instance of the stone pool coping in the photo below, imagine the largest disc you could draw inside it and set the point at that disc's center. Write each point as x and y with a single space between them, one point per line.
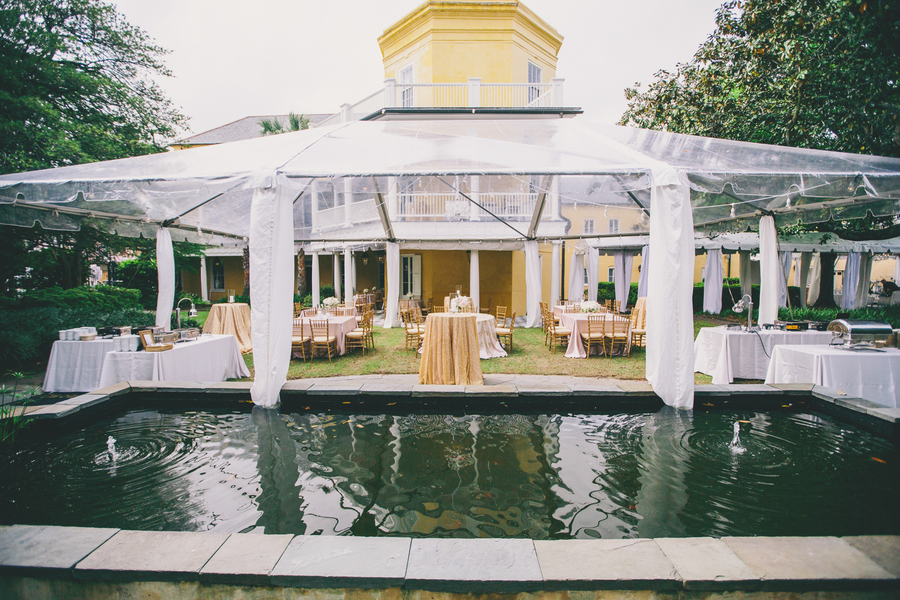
500 393
456 566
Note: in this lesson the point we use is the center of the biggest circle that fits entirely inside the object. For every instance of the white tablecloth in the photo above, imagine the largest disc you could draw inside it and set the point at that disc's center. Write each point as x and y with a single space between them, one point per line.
873 376
577 322
729 355
339 327
75 366
488 344
209 358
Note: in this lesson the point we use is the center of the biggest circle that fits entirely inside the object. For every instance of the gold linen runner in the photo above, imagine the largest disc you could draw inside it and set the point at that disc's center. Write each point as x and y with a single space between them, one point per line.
450 351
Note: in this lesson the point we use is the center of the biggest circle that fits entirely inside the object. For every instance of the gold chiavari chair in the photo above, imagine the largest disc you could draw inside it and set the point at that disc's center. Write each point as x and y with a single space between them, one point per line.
321 339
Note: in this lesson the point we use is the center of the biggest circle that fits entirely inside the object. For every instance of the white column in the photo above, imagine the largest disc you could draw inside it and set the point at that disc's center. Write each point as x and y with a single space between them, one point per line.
533 285
475 194
204 284
393 197
556 92
165 272
390 92
345 113
554 274
474 92
271 279
786 260
336 275
392 290
348 199
712 285
622 262
348 277
576 277
554 197
474 279
314 205
803 272
316 283
645 272
769 271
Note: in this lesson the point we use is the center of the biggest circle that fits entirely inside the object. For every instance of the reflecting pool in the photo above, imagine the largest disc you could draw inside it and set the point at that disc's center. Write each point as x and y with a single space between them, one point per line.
664 474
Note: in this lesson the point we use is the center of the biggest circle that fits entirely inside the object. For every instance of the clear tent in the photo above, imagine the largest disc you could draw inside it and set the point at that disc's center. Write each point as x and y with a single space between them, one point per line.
369 169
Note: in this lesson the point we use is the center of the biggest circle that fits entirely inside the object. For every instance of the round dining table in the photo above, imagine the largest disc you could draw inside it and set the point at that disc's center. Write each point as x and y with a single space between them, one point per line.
450 354
231 318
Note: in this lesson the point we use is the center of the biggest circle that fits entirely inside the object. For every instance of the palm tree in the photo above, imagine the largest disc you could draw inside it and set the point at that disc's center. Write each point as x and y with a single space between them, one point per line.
272 126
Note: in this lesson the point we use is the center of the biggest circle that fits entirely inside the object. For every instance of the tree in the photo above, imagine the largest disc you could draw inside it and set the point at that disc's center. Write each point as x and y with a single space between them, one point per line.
273 126
807 73
75 86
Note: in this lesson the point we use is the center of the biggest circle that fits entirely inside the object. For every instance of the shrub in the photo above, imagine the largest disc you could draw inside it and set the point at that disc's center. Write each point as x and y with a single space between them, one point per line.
888 314
99 298
241 299
26 335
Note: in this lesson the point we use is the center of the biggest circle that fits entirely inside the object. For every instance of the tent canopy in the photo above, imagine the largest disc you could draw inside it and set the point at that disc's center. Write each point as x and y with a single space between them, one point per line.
730 243
210 188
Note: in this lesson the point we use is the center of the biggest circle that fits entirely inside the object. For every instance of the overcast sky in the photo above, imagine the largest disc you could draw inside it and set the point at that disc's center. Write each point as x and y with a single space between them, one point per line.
232 59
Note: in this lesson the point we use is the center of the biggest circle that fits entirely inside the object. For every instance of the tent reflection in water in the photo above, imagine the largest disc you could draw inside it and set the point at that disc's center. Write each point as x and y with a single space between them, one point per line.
683 182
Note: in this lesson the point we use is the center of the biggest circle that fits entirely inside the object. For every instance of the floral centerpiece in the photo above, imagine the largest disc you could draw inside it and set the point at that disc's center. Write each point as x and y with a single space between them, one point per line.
590 306
462 304
331 301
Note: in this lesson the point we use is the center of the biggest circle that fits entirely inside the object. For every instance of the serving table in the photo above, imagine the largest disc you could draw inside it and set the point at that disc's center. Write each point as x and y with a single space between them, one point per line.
209 358
75 366
231 318
730 354
339 327
868 374
450 354
577 323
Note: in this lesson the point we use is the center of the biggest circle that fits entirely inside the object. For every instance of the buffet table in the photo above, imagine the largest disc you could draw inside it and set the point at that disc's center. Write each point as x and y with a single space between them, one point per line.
231 318
450 354
868 374
577 322
75 366
339 327
728 355
209 358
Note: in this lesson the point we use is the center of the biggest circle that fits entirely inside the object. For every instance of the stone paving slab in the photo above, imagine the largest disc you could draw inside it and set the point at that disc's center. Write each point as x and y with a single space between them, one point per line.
636 387
386 389
806 563
420 390
48 551
884 550
543 389
793 388
85 400
342 561
151 556
231 387
707 564
827 394
857 404
245 559
510 391
887 414
338 388
473 566
594 389
116 389
53 411
297 386
710 389
605 564
750 389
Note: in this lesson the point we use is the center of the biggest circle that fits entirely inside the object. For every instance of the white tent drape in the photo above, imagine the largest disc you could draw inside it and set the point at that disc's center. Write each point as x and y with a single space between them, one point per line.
165 272
865 275
554 275
533 285
815 279
645 271
787 258
745 273
392 293
803 272
592 266
897 270
850 281
348 277
271 279
622 263
204 285
769 270
576 278
316 281
474 280
336 275
712 285
670 314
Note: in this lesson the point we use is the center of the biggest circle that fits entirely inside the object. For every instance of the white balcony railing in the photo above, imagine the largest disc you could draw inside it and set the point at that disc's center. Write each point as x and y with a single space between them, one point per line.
360 212
472 94
454 207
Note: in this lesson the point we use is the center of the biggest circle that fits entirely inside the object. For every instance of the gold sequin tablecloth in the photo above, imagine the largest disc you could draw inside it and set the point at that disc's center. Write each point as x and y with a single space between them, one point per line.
450 353
231 318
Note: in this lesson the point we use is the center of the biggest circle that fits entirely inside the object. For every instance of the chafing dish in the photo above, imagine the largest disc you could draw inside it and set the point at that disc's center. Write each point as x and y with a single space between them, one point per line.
850 332
187 333
165 337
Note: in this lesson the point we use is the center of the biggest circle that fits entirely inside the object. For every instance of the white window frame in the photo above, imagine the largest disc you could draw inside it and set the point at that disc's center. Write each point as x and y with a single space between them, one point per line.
406 76
613 226
535 75
212 273
411 275
611 275
588 226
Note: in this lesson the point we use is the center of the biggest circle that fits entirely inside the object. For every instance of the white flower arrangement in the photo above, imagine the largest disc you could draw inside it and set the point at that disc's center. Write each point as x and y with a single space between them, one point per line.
461 304
590 307
366 291
331 301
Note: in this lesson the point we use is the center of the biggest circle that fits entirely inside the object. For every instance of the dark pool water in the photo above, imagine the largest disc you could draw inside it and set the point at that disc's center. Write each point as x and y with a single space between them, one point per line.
664 474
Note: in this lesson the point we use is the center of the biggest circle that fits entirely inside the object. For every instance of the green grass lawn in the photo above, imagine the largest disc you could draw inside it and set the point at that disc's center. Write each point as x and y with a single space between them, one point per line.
529 356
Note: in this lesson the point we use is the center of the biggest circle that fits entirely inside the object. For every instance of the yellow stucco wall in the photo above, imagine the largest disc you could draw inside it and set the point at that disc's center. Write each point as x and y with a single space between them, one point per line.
449 42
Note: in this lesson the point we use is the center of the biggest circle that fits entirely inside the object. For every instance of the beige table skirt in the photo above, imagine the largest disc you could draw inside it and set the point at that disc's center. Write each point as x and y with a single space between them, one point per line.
450 354
230 318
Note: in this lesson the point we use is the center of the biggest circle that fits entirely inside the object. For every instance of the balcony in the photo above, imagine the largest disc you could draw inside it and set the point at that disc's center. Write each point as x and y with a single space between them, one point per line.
473 94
